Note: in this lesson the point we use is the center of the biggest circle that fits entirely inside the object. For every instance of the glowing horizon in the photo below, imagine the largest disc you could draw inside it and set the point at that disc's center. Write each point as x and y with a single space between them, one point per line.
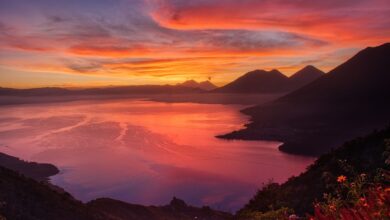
135 42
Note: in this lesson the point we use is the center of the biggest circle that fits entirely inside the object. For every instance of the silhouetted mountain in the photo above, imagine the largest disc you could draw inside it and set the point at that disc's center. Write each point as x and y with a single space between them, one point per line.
116 90
205 85
364 77
189 83
304 76
257 81
350 100
260 81
38 171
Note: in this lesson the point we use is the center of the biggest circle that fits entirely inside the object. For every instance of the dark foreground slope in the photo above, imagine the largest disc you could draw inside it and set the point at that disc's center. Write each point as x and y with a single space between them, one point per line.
23 198
369 155
177 209
349 101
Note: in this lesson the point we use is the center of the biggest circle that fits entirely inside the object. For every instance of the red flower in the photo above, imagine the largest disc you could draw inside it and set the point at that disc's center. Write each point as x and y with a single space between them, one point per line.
341 179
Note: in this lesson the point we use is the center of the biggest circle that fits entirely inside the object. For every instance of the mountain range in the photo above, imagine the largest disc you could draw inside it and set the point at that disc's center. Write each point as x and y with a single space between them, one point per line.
261 81
190 86
350 100
254 82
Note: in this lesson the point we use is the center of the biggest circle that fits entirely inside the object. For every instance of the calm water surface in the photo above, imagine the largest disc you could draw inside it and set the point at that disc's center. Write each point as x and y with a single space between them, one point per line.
146 152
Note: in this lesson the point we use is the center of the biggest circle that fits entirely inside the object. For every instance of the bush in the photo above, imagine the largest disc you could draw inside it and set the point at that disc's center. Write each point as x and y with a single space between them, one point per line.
280 214
358 199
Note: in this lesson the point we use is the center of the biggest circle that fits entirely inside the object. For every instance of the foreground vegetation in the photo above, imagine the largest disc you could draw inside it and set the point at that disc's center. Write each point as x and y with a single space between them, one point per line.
334 186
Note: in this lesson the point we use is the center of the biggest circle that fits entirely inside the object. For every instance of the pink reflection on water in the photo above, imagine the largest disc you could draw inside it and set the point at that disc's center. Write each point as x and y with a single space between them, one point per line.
146 152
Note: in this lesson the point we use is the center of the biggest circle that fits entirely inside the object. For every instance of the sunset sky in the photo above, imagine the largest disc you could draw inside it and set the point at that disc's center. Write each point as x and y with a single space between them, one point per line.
77 43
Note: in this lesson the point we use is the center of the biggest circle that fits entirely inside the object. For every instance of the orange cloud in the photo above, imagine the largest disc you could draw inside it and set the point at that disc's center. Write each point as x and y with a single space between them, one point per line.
110 51
339 21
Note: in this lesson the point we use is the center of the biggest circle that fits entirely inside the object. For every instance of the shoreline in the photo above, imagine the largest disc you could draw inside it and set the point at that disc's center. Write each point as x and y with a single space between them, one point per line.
27 173
199 98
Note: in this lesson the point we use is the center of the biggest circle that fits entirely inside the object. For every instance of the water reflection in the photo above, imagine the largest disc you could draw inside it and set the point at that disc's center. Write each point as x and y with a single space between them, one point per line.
146 152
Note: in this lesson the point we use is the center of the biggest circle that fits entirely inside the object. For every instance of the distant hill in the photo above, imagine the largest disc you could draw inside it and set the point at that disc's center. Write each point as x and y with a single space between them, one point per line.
349 101
34 92
261 81
115 90
205 85
143 89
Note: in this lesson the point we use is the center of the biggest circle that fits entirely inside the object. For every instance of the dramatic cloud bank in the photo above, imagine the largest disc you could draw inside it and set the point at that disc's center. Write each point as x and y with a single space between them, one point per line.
101 42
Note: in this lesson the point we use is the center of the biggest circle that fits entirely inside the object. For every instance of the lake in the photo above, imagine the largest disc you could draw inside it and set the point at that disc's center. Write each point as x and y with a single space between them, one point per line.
146 152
